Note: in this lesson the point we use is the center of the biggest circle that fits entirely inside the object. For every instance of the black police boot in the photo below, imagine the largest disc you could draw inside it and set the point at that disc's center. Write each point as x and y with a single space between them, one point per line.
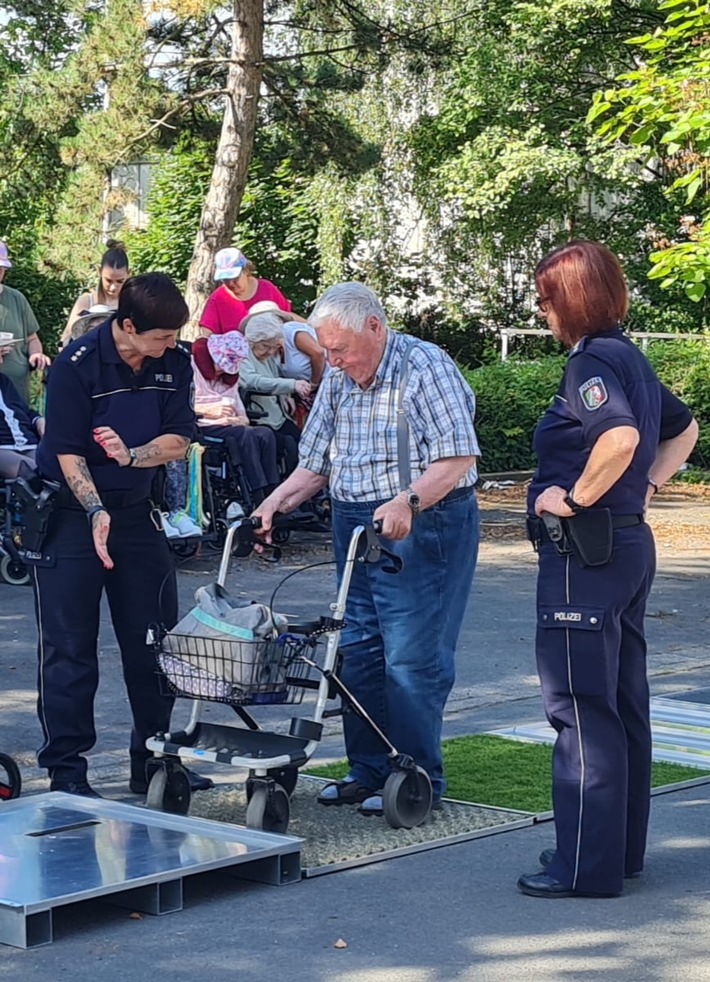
82 788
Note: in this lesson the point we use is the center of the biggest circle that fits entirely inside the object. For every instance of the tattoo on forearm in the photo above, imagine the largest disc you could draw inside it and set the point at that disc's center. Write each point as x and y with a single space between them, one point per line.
82 484
154 453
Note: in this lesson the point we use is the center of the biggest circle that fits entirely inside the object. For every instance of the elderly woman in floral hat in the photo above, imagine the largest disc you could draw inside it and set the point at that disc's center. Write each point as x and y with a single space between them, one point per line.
221 413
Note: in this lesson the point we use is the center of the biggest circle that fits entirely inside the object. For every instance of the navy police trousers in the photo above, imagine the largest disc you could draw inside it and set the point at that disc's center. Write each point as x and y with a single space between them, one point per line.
591 657
68 582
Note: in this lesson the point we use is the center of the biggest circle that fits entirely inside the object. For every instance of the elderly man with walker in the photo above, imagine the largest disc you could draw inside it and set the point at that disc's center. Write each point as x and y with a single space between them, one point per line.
392 433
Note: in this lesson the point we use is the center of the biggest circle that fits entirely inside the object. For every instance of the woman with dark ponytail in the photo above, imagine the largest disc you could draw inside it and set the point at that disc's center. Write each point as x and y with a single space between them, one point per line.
114 270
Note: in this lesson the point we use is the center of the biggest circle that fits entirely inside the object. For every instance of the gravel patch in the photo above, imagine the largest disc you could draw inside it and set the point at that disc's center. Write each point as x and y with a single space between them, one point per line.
341 834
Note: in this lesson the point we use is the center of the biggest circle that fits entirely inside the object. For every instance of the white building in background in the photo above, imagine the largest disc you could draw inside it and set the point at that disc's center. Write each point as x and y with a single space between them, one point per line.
134 181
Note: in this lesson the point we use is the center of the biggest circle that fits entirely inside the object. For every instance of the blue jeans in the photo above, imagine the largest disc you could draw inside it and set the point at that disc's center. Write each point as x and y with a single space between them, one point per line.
401 632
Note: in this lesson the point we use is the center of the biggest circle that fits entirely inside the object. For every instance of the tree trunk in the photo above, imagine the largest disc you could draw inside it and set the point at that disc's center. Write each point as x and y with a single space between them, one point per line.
236 142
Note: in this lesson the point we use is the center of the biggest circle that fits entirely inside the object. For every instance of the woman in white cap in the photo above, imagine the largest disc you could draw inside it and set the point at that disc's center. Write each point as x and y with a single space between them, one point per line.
239 289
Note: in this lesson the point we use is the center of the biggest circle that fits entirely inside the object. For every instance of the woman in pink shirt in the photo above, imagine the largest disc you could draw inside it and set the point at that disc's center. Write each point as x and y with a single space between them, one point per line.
237 293
220 411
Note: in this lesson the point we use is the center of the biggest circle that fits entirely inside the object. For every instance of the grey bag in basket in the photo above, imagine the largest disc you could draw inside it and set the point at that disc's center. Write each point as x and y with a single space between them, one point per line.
231 641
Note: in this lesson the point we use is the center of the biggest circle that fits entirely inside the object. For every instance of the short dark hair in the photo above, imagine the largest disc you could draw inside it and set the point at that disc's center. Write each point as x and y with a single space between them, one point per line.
584 284
152 302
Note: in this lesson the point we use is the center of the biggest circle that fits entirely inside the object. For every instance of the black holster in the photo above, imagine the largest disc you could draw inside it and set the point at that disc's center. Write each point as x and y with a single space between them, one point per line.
591 536
34 502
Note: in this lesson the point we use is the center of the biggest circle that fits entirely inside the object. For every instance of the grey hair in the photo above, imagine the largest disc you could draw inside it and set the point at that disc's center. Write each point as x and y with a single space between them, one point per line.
350 305
264 327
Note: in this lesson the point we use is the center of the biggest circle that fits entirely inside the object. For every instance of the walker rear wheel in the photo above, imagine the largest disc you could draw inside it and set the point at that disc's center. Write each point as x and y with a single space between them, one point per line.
407 798
10 780
268 809
169 790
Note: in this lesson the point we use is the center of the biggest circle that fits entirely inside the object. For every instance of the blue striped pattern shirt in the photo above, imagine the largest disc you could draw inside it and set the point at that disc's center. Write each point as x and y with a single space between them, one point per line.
350 435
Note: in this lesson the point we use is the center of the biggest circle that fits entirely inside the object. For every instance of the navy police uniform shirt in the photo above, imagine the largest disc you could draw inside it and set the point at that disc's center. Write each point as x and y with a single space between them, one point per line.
607 383
90 385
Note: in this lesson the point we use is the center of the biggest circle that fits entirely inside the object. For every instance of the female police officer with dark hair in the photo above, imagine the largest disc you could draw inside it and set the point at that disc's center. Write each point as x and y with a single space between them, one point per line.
118 405
611 437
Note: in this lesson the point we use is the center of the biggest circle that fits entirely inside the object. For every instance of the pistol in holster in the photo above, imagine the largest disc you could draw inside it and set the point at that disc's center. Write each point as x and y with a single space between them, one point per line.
34 502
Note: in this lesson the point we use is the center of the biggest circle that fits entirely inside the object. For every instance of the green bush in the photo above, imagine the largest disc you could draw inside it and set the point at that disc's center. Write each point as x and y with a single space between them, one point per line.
684 366
511 396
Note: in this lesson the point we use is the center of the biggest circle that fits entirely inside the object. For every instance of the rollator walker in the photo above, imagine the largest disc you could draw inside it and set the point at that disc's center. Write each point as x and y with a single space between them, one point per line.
271 672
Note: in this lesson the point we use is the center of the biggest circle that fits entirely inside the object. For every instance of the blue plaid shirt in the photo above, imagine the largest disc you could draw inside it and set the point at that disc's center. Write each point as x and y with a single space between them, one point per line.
351 433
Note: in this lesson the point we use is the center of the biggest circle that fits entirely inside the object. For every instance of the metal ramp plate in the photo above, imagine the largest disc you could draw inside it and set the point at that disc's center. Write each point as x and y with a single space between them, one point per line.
680 732
58 849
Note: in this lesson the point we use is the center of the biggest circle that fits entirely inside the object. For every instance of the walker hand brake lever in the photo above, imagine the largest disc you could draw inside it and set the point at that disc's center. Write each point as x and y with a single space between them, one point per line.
374 551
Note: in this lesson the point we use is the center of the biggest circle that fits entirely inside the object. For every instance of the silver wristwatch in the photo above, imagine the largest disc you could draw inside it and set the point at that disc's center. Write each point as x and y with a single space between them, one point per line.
413 500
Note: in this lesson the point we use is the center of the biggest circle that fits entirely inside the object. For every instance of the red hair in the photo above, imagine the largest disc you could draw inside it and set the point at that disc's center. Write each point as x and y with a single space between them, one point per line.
585 286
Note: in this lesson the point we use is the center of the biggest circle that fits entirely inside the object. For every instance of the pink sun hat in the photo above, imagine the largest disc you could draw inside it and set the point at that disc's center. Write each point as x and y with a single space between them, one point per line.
228 351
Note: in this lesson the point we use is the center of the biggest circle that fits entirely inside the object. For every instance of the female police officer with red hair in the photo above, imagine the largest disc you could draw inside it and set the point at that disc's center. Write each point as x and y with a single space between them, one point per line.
118 406
612 436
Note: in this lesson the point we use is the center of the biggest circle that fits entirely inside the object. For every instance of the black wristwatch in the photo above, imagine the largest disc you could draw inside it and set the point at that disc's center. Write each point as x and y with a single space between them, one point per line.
413 500
132 457
572 504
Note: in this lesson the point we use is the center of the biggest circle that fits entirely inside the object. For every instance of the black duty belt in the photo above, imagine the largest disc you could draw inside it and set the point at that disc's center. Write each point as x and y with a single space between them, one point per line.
589 536
537 529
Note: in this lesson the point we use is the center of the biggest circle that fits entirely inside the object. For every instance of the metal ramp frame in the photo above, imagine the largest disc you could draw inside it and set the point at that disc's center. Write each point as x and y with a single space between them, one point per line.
58 849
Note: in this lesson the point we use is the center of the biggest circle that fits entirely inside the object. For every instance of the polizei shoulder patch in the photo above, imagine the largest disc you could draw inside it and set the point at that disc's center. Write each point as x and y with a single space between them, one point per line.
593 393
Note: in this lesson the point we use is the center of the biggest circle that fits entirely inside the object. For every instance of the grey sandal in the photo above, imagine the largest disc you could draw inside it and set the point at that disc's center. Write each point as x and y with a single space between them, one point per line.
344 793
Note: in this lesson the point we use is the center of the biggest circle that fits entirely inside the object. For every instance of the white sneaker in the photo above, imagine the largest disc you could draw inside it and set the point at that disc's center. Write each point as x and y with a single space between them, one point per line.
234 511
170 531
186 528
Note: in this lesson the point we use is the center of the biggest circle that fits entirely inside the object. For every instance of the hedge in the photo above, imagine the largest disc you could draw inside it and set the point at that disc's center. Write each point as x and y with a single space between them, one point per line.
511 397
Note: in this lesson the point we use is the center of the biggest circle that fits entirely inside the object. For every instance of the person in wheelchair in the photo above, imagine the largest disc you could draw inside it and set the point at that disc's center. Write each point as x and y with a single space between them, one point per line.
21 429
221 413
273 394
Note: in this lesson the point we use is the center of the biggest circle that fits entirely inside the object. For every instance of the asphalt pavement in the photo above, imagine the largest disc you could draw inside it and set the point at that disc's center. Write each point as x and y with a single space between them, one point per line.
452 913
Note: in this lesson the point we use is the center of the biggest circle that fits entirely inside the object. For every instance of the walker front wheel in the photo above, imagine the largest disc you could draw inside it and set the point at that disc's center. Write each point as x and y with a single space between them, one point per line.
268 809
10 780
169 790
407 798
285 776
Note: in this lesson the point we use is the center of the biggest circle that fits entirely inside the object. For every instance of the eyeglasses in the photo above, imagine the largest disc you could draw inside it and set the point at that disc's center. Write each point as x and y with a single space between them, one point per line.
542 303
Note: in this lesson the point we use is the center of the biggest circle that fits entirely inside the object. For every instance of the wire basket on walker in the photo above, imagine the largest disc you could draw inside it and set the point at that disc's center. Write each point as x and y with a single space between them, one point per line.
209 660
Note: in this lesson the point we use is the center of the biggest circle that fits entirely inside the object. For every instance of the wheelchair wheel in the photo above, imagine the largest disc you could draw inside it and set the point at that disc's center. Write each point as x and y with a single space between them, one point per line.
269 809
10 780
169 789
407 797
14 572
184 548
216 540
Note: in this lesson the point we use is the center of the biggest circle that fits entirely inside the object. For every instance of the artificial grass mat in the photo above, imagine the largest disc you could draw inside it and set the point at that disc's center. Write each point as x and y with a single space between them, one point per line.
492 770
